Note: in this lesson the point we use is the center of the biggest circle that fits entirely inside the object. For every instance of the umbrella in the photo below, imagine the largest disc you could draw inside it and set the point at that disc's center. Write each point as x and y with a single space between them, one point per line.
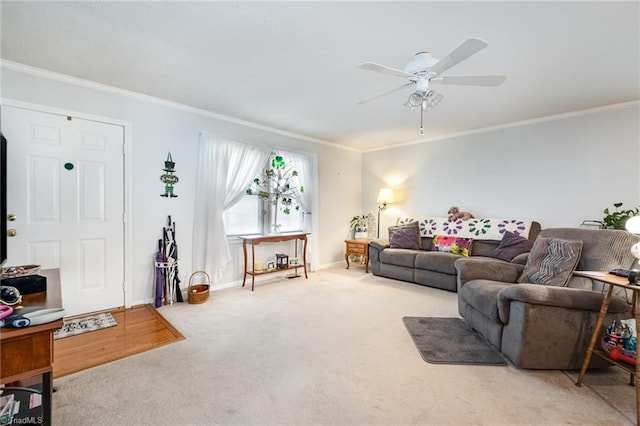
159 276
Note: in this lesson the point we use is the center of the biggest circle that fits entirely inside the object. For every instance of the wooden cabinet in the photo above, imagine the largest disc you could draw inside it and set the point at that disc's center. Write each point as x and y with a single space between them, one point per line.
357 248
28 351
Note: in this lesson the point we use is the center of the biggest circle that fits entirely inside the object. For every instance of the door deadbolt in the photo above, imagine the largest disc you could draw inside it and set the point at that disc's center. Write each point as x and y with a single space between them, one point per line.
11 217
12 232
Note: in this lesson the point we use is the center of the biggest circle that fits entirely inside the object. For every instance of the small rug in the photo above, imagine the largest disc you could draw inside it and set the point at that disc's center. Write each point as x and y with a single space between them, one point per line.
84 325
450 341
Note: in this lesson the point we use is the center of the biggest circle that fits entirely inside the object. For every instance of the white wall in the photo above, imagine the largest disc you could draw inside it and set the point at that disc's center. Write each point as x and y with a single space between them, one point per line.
557 171
159 127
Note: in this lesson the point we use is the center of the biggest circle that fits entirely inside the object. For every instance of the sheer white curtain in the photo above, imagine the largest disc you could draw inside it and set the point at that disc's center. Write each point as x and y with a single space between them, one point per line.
225 171
306 165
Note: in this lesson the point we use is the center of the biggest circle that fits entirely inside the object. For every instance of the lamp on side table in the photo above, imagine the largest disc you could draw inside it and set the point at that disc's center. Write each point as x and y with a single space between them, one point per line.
633 226
385 196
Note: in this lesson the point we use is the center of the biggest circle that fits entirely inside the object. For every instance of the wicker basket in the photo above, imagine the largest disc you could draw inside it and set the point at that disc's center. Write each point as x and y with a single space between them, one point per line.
199 284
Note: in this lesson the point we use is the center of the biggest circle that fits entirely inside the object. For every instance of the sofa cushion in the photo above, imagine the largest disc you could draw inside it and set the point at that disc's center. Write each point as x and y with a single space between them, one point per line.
551 261
399 257
483 296
437 261
510 246
405 236
454 245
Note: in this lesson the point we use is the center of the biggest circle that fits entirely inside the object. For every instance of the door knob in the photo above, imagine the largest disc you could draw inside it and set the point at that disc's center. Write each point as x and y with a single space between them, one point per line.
12 232
11 217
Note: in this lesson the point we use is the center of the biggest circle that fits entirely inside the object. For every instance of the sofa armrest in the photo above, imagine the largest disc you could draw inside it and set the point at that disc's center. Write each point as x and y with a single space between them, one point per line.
375 248
469 269
561 297
379 244
521 259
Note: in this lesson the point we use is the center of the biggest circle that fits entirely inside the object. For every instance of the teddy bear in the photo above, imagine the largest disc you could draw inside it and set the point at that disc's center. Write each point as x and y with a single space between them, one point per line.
455 214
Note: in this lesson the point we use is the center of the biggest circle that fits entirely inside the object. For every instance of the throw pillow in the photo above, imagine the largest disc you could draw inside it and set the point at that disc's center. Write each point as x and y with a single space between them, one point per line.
405 236
510 246
551 261
455 245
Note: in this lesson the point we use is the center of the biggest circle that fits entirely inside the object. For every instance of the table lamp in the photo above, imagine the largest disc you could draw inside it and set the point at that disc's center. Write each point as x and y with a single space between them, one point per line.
633 225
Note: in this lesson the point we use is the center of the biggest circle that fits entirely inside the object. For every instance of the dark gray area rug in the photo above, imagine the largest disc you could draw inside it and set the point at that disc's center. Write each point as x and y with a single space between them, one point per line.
450 341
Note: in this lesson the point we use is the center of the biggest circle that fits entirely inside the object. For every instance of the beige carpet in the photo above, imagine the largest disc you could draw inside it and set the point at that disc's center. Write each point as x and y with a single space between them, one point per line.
330 350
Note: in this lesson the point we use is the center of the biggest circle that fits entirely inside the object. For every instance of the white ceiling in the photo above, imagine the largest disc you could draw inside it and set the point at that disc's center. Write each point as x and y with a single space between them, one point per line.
293 65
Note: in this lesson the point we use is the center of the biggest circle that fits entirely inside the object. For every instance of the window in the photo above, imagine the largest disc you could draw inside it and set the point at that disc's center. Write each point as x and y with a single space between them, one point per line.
255 215
288 222
244 217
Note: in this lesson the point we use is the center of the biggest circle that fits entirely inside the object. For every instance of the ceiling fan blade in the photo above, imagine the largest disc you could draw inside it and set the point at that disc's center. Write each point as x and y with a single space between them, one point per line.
364 101
383 69
471 80
469 47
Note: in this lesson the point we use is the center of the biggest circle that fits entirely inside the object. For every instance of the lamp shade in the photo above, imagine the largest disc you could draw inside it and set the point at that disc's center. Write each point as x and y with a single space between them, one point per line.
633 225
385 195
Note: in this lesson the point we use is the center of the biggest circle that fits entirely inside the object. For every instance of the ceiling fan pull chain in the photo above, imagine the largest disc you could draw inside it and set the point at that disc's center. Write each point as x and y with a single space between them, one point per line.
421 120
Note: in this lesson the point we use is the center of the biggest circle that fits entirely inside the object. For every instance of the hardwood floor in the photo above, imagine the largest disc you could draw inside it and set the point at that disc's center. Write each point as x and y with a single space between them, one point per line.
139 329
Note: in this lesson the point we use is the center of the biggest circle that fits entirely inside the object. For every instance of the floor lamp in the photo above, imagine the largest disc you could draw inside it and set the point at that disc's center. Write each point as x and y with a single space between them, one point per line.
385 196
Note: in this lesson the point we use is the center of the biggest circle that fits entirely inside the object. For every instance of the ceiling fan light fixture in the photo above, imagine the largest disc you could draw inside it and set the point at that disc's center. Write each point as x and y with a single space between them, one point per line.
430 100
415 100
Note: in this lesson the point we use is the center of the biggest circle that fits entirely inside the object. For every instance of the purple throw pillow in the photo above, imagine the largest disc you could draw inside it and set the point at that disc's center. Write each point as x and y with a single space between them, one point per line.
511 246
405 236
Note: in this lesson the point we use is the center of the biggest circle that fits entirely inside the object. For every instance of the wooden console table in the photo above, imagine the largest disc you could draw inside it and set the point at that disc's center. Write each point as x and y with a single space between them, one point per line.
276 238
612 281
27 352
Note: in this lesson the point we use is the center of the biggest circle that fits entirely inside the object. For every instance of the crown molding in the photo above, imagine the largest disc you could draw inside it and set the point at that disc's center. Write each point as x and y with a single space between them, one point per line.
563 116
51 75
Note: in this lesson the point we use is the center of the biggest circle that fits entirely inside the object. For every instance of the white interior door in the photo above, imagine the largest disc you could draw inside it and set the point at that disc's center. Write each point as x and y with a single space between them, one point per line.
65 186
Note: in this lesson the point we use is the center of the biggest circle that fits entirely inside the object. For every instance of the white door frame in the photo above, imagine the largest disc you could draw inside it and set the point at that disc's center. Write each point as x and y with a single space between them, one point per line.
127 176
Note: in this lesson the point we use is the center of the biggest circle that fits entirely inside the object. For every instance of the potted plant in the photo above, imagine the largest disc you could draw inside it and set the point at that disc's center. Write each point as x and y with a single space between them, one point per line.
617 219
360 225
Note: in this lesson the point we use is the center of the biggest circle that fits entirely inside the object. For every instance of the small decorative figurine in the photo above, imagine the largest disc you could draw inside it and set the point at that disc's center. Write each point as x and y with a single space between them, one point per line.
169 179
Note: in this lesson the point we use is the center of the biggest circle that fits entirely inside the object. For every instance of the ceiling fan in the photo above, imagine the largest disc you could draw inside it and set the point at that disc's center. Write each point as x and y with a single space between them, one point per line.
424 69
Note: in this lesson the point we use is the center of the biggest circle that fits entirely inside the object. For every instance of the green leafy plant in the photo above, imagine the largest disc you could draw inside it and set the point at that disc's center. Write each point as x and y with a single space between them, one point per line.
361 222
278 186
617 219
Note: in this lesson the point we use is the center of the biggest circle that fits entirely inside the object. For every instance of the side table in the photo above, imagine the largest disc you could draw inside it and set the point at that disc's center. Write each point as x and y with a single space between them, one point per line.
357 248
612 281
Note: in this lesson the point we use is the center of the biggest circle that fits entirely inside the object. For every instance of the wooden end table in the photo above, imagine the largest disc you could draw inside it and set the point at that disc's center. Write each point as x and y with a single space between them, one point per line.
612 281
357 248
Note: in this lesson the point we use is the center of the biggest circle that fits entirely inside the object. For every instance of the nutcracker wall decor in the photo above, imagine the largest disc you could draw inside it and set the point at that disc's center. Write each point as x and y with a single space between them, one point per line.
168 178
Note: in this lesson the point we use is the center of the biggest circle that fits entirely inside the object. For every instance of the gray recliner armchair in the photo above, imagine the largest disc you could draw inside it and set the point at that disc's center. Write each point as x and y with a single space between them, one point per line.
540 326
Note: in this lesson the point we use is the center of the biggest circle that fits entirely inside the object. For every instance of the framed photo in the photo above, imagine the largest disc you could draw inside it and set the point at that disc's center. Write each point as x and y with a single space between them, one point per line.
271 265
294 261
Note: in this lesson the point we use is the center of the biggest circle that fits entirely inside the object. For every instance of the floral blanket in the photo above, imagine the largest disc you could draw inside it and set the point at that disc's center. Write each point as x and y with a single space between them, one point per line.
479 229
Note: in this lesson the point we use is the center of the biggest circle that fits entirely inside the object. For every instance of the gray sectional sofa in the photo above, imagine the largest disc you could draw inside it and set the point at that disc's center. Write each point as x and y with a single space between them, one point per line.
437 269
